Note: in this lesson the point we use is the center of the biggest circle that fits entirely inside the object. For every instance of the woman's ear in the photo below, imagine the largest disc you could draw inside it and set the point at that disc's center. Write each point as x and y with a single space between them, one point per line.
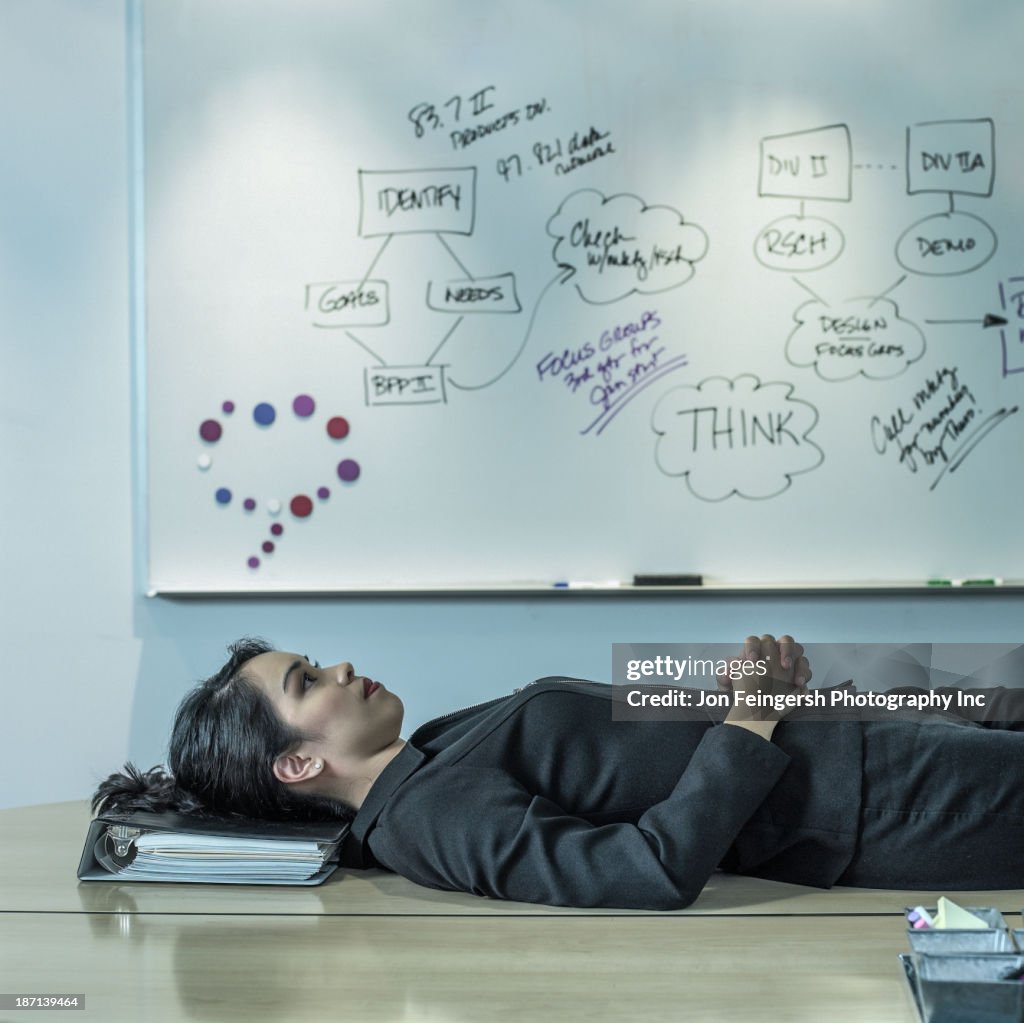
293 767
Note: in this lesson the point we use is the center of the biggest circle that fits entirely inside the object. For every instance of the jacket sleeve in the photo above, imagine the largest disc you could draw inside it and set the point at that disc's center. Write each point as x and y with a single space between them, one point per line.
996 707
478 830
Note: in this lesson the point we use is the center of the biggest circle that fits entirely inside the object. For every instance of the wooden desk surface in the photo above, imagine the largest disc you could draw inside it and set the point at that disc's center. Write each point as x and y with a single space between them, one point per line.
40 847
375 947
461 970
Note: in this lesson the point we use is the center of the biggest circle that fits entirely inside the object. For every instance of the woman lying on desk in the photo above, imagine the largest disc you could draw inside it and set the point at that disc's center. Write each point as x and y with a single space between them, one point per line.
542 797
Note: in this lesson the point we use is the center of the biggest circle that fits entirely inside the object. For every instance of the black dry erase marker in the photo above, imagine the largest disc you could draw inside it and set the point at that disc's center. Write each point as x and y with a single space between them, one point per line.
668 580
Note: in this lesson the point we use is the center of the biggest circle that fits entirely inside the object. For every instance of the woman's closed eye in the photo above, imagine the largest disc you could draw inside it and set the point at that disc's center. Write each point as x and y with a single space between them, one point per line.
309 679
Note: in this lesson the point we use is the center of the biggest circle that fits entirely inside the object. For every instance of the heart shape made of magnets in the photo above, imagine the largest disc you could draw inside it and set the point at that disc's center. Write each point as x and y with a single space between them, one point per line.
301 504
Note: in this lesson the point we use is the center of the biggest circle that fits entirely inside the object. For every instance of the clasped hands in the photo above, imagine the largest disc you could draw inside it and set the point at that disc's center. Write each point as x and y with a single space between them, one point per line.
772 669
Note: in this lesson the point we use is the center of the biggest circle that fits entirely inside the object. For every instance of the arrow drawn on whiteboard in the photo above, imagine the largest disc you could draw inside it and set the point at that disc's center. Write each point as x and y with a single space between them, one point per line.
989 320
560 278
1001 321
611 248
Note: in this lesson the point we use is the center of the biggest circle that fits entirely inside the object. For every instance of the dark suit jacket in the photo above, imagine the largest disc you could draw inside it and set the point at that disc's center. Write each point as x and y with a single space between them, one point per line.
542 797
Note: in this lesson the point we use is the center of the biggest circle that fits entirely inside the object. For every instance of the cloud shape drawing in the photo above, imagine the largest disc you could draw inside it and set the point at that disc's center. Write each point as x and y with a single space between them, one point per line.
865 336
617 246
735 437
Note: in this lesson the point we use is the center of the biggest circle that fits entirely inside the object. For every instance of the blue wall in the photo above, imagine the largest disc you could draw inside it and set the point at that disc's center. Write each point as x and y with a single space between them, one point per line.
441 654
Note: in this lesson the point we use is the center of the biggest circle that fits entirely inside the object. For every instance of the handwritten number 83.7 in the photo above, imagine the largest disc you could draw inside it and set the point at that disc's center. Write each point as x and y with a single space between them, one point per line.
424 116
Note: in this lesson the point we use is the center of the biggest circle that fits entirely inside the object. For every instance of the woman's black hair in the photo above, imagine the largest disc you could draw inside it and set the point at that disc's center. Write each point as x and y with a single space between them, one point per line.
224 742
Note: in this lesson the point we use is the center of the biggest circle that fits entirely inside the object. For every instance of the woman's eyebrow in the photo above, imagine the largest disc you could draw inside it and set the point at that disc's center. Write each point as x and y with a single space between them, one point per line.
284 680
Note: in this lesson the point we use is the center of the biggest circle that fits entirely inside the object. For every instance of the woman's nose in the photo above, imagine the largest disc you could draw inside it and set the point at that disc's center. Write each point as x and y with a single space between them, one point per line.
345 672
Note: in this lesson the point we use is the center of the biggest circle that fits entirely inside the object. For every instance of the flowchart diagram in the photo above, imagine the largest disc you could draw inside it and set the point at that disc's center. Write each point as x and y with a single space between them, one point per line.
722 439
607 248
726 437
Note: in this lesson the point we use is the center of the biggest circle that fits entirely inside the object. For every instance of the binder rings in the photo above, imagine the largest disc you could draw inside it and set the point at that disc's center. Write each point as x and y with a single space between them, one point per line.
171 847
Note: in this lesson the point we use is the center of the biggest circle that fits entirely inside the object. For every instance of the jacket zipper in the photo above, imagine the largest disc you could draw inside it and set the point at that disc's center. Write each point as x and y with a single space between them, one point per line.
498 699
554 678
461 710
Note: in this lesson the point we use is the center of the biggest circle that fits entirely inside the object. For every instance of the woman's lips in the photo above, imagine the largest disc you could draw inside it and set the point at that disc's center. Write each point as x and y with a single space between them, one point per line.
369 688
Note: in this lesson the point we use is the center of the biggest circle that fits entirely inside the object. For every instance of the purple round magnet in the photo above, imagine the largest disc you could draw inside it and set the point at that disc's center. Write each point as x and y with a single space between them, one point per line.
210 430
304 405
348 470
268 547
323 493
228 407
277 529
249 504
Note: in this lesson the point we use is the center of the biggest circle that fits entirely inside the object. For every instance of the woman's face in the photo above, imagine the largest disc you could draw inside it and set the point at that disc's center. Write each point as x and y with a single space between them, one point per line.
351 716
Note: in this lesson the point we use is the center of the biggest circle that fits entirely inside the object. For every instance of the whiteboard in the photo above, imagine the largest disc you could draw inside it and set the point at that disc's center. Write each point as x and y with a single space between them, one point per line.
461 295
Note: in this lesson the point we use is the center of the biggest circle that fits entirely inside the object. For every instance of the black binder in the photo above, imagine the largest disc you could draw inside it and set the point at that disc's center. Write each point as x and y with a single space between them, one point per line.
112 846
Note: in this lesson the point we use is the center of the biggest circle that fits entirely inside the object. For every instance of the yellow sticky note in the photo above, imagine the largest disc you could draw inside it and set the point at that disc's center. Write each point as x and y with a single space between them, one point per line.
950 915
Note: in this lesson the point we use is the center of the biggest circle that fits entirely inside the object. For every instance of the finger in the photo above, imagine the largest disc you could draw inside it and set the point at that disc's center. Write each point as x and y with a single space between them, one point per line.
789 650
725 679
803 673
752 648
769 649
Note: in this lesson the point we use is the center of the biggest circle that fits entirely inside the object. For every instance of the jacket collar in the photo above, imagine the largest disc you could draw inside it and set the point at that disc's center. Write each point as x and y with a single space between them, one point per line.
408 760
